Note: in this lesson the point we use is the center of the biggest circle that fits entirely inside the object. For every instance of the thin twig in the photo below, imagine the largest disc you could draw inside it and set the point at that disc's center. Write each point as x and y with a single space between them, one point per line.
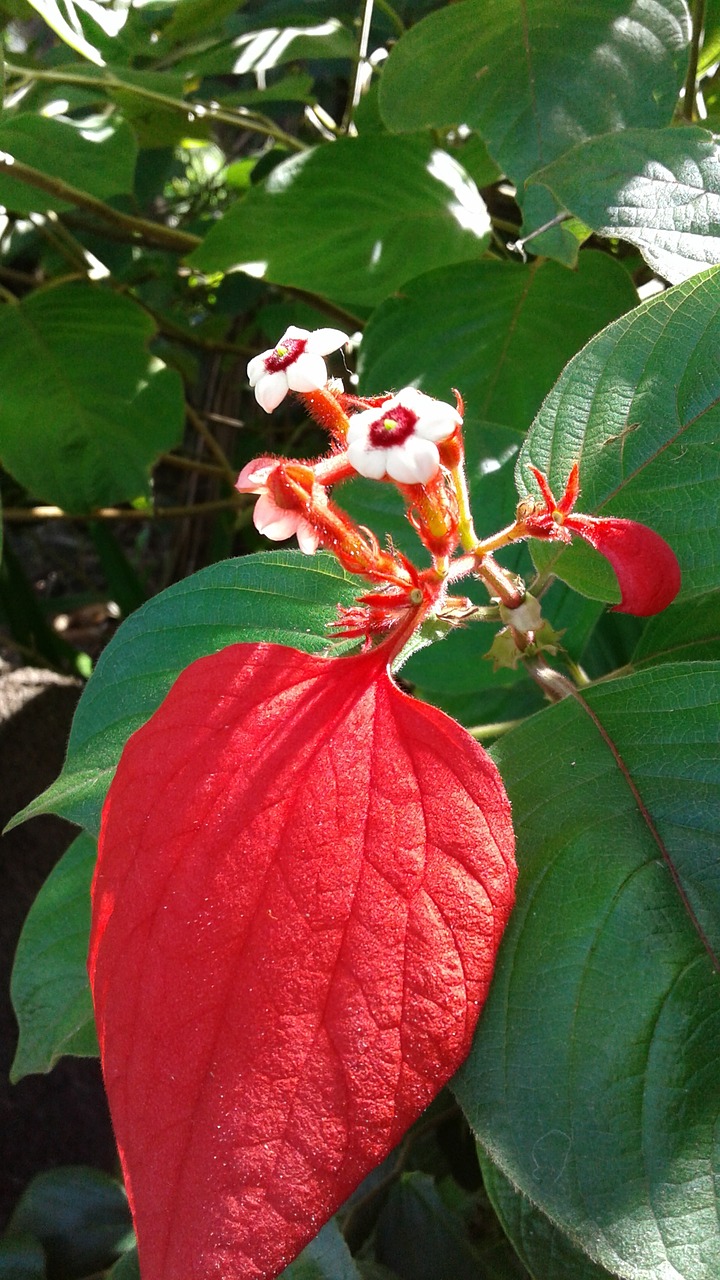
254 122
27 515
690 94
214 448
138 230
356 88
191 464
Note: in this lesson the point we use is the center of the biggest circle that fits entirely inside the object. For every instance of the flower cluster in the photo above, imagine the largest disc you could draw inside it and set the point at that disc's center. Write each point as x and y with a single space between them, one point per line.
414 441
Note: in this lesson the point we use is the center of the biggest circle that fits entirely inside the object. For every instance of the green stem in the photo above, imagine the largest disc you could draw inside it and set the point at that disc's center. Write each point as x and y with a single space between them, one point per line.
192 110
481 732
138 230
689 98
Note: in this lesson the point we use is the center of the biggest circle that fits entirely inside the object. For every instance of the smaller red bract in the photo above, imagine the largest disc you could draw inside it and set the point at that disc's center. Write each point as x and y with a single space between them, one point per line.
645 566
303 879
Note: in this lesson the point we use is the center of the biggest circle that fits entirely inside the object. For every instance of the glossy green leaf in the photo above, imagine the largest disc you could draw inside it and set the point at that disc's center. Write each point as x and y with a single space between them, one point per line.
422 1237
258 49
659 189
500 332
534 77
594 1079
354 220
126 1267
22 1257
49 988
543 1247
281 597
327 1257
80 1216
683 633
84 430
639 408
97 156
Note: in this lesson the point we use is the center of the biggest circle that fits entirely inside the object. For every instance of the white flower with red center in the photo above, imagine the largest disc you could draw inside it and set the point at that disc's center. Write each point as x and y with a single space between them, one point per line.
274 522
400 438
295 364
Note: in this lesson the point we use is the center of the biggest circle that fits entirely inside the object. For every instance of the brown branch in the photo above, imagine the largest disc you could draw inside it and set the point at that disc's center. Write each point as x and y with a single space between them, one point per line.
138 230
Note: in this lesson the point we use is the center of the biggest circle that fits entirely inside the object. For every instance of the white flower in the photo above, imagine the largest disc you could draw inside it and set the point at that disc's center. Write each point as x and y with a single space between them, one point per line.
274 522
295 364
400 438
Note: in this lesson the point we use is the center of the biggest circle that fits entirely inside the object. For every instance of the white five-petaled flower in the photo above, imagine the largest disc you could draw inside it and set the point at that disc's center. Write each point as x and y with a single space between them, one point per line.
400 438
274 522
295 364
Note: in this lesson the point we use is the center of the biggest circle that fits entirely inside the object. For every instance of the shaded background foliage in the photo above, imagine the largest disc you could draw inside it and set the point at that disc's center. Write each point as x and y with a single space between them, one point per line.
475 191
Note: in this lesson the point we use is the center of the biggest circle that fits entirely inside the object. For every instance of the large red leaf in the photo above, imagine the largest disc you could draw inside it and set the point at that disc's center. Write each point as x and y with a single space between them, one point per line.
303 879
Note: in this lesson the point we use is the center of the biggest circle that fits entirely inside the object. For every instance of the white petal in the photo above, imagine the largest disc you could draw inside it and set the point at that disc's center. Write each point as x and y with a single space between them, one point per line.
254 474
438 423
367 462
256 367
414 462
323 341
292 331
307 373
360 425
307 537
271 390
272 521
412 398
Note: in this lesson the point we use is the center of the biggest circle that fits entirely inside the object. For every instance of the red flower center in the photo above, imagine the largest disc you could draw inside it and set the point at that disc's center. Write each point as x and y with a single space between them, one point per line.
392 427
285 354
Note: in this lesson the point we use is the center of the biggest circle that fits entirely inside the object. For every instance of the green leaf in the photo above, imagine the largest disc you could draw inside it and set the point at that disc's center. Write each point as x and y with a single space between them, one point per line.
257 50
85 429
421 1237
594 1079
684 632
327 1257
96 156
280 597
534 77
49 986
659 189
354 220
80 1216
543 1247
505 333
639 408
22 1257
127 1267
56 16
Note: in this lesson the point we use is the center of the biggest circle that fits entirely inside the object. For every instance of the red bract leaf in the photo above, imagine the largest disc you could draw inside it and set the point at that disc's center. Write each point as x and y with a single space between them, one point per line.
302 883
645 566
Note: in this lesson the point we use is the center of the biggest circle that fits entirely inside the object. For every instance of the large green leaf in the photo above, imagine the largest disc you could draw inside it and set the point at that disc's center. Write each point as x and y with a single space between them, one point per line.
544 1248
280 597
85 408
80 1215
498 331
535 77
682 633
50 990
639 408
421 1236
657 188
98 156
354 220
594 1080
327 1257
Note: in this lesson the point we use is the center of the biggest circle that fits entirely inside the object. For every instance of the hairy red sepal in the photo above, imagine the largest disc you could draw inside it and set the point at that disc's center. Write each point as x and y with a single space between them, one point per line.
303 879
645 566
